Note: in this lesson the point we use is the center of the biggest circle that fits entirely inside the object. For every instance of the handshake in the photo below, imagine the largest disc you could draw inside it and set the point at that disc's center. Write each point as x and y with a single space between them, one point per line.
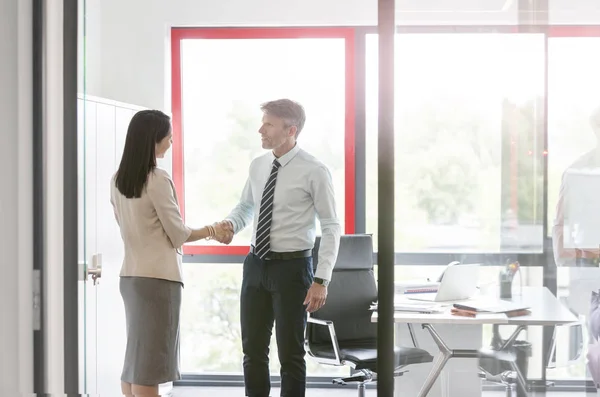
221 231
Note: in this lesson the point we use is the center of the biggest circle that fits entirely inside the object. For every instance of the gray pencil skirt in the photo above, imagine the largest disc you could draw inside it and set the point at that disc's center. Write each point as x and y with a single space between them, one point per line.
152 309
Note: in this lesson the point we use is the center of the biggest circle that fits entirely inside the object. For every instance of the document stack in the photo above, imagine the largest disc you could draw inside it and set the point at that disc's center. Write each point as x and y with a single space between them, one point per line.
416 287
413 307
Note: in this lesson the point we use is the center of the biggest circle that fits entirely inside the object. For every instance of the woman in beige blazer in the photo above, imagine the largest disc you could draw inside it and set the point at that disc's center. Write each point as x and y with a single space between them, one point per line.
147 211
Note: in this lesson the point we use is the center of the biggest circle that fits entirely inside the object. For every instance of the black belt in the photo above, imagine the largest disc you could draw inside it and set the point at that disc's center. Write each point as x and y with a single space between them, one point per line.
285 255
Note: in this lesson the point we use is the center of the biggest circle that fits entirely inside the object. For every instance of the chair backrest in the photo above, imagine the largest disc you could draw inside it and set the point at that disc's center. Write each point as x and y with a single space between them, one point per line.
350 294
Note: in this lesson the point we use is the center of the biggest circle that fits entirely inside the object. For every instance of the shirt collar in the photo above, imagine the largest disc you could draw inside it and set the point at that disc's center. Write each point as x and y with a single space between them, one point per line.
286 158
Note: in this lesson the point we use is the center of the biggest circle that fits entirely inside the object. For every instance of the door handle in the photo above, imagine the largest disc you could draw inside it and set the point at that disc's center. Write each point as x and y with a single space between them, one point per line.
96 269
96 273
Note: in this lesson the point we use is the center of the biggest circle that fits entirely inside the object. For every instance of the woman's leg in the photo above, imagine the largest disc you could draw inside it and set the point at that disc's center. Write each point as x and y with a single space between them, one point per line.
126 389
144 391
125 386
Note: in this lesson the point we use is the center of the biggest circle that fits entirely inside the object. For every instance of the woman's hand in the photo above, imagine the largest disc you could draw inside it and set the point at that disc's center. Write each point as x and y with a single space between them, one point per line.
223 232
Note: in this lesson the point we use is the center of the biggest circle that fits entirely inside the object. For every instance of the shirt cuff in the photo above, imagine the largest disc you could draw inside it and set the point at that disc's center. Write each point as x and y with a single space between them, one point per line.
234 224
324 272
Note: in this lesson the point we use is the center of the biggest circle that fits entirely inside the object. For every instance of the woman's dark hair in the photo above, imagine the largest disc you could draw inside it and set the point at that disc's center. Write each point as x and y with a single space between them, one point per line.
146 129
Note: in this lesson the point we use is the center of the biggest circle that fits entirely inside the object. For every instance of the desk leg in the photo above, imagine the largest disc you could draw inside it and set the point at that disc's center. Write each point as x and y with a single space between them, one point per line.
423 380
440 361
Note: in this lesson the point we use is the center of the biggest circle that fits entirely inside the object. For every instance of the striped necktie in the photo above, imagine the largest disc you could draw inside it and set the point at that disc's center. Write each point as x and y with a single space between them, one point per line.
265 216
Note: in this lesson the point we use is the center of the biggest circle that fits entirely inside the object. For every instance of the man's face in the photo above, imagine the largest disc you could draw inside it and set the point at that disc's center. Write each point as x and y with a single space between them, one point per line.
274 132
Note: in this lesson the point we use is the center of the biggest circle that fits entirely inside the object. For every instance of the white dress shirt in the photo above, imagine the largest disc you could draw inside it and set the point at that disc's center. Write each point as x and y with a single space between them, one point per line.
589 164
151 228
303 191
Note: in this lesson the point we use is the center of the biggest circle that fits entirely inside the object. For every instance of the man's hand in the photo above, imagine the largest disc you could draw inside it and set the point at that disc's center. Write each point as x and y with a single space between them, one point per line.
315 298
224 231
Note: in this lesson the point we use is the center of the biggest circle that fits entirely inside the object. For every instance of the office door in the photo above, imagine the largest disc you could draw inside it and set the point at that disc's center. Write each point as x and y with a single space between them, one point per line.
103 125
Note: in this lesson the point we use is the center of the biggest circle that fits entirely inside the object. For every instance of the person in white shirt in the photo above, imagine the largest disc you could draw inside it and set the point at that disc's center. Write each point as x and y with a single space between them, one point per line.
574 182
286 190
146 209
575 233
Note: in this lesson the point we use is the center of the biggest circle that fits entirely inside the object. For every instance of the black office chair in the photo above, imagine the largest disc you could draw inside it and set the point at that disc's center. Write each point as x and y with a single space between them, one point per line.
341 332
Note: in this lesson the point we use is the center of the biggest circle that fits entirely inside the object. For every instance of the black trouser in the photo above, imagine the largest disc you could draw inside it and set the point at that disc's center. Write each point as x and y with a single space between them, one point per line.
274 290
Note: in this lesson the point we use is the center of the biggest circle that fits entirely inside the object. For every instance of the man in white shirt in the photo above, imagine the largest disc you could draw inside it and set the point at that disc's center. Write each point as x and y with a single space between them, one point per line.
576 231
575 211
286 190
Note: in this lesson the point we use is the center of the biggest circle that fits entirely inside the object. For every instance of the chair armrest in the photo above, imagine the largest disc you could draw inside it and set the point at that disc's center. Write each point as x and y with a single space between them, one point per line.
413 336
334 342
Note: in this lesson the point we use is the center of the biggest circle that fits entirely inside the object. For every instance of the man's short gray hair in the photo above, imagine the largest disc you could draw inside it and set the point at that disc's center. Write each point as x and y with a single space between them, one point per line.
290 111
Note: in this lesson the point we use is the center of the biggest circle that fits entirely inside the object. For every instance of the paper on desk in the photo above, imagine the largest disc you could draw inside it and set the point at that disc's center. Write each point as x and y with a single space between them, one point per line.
415 287
401 305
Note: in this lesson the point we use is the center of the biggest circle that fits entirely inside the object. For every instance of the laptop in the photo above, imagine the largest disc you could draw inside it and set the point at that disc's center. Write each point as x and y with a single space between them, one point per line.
459 282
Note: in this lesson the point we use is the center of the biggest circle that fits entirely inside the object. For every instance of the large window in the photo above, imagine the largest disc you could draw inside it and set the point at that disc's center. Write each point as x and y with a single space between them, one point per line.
224 76
469 148
220 79
470 151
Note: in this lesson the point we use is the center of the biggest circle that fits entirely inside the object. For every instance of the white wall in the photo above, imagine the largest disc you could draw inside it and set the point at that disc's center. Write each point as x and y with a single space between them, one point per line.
8 196
131 56
128 44
574 12
128 41
16 361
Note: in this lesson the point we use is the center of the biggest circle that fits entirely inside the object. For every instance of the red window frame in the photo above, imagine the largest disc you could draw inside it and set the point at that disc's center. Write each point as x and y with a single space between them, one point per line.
178 34
573 31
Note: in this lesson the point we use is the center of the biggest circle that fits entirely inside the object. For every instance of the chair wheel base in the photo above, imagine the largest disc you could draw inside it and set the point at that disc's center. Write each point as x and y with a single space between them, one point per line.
360 377
364 376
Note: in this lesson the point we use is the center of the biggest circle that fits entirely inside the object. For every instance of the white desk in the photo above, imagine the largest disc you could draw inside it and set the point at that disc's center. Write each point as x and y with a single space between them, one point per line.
545 309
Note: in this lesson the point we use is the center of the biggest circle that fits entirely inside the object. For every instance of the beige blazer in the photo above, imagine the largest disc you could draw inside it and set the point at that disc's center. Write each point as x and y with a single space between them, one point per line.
152 229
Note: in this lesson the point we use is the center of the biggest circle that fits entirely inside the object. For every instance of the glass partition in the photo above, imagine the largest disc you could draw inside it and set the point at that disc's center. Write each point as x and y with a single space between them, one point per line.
573 180
480 160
